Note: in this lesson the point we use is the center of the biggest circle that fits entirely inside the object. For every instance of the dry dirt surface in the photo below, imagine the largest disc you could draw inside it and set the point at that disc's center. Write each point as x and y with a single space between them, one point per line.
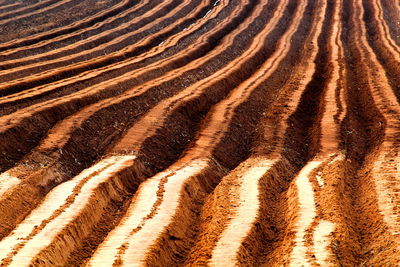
200 132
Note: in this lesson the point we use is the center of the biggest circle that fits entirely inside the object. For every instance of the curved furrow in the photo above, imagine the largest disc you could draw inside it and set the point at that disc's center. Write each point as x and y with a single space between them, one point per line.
55 212
24 55
246 196
228 245
197 160
149 125
12 6
312 230
162 47
385 172
384 30
277 176
52 173
76 28
362 237
93 56
69 105
391 13
116 30
81 67
40 7
385 48
200 132
57 17
128 138
298 228
60 134
26 9
329 173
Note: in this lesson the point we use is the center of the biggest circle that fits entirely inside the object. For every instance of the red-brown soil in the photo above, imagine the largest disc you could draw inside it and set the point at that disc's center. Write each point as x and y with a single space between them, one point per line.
200 132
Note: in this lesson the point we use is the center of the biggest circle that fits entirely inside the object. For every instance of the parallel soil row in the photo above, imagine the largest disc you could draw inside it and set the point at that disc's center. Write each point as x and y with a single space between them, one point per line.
199 132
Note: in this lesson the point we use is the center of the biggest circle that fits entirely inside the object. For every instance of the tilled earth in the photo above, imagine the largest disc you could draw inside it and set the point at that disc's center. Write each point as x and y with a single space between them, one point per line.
200 132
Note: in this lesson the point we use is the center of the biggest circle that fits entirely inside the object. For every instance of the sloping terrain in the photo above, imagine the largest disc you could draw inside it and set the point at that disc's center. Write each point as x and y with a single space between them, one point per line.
200 132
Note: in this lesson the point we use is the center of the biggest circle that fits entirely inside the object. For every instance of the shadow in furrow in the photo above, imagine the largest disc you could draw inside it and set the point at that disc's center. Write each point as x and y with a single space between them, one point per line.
32 130
107 60
185 42
95 125
265 242
86 24
180 128
389 61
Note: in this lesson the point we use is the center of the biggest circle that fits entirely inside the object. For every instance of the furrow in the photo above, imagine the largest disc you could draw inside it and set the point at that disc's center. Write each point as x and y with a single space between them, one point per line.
200 133
60 33
26 9
231 239
383 28
207 139
50 250
242 198
75 99
385 48
98 56
168 43
47 7
58 208
327 174
153 120
58 17
363 237
52 174
310 219
21 54
60 134
298 204
13 6
391 13
384 173
198 155
306 214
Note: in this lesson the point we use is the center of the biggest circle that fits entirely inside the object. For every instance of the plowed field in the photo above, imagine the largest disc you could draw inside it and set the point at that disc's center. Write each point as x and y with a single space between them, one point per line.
200 132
